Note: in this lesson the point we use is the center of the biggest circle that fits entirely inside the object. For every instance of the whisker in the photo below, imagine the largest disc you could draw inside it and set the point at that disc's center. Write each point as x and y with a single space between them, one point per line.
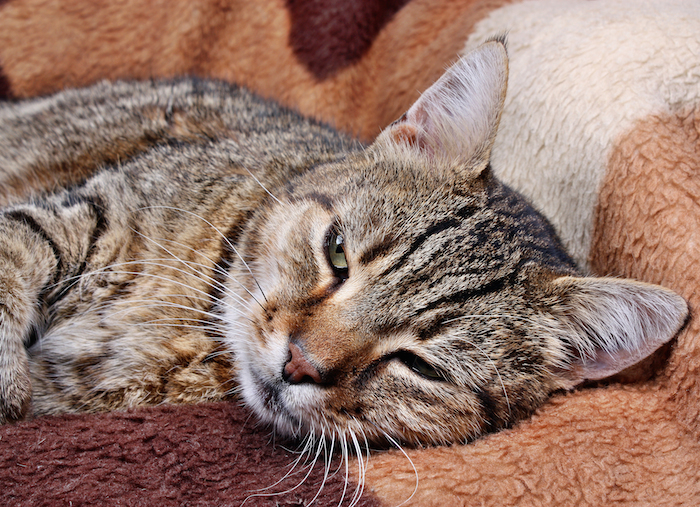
493 364
322 445
157 263
262 186
344 463
185 326
362 466
498 374
198 275
213 268
223 236
415 471
155 303
303 455
310 467
206 297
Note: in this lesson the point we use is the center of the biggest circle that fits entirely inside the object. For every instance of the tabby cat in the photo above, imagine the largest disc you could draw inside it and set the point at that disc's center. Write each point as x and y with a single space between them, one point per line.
224 246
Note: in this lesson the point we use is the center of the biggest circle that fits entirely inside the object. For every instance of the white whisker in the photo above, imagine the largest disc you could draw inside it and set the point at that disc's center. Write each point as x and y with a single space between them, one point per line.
263 186
498 373
322 445
154 303
222 235
214 268
362 466
206 296
488 358
157 263
304 455
410 461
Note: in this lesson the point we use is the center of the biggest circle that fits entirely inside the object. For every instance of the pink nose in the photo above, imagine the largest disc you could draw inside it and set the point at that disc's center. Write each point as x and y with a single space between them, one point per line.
298 369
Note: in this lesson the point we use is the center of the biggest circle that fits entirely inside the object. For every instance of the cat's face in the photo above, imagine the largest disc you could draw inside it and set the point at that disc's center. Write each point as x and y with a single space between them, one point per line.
398 305
405 294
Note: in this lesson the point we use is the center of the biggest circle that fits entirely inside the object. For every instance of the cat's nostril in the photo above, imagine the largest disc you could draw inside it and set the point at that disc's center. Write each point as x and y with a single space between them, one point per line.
298 369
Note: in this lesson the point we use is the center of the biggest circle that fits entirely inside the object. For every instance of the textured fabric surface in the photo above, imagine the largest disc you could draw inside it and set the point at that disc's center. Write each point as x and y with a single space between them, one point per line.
361 85
648 227
597 109
598 447
201 455
581 76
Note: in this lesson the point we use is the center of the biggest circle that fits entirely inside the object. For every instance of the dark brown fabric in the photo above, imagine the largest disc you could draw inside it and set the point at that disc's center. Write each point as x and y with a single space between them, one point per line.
4 82
198 455
328 35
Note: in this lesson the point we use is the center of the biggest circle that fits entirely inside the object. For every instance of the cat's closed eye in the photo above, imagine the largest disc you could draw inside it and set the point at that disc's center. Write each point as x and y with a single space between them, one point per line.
420 366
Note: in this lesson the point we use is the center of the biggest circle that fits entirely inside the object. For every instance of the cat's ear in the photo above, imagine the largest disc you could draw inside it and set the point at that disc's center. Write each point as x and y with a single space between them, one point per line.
454 122
610 324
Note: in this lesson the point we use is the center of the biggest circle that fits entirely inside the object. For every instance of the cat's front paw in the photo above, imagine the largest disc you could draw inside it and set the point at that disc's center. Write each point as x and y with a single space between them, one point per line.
15 389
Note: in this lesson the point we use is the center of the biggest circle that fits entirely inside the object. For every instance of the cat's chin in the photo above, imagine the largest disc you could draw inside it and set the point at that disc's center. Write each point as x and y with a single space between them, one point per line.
298 413
290 413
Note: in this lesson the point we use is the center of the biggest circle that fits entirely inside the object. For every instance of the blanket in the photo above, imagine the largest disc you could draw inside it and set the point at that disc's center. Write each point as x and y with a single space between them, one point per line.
600 130
207 454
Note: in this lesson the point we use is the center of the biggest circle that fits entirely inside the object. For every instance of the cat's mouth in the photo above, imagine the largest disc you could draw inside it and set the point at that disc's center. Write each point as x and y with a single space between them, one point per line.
266 393
290 414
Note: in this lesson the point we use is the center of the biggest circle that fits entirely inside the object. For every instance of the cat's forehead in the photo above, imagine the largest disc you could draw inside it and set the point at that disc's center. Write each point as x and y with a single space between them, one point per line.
403 194
407 227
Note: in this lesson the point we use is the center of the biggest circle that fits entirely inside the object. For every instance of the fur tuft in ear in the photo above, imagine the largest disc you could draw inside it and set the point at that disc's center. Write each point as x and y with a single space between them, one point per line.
454 122
612 324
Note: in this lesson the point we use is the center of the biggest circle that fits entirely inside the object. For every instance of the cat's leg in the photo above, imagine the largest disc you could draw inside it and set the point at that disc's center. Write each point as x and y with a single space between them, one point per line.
42 246
27 266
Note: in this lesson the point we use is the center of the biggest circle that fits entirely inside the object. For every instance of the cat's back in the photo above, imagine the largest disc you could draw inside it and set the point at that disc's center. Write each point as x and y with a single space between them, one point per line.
59 141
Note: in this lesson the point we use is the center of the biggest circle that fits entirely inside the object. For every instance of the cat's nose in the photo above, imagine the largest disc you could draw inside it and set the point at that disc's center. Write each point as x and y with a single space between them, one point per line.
299 369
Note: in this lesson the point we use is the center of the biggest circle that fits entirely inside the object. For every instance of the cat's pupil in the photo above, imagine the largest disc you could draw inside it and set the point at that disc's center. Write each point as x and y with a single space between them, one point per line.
336 255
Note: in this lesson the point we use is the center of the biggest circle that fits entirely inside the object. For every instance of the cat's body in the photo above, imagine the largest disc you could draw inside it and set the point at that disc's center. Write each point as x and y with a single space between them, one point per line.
144 243
230 245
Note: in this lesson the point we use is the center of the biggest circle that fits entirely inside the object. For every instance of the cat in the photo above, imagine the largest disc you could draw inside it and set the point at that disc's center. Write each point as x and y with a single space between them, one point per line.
223 247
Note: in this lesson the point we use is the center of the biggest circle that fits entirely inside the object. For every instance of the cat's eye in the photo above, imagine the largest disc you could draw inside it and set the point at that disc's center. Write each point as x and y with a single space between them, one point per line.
336 254
420 366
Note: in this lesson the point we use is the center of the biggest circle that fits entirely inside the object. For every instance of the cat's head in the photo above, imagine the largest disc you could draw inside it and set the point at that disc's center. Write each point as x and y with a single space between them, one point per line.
404 292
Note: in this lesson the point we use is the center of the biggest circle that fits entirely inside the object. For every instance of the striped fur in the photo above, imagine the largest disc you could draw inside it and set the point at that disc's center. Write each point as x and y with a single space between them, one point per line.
226 245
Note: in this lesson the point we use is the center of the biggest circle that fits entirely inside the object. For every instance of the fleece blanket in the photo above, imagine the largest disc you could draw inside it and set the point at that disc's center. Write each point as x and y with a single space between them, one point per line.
208 454
601 130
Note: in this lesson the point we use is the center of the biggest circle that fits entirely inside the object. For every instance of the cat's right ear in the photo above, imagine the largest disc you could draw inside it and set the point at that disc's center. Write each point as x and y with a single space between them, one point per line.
454 123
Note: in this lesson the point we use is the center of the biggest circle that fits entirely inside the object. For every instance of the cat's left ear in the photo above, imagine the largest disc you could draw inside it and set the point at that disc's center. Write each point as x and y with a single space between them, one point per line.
608 324
454 123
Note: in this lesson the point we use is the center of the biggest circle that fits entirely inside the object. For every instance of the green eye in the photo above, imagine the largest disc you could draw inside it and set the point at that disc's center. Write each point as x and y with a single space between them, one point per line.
336 254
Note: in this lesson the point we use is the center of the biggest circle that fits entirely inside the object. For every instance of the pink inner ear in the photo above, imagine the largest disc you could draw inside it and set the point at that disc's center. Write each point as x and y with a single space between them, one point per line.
453 123
404 133
606 365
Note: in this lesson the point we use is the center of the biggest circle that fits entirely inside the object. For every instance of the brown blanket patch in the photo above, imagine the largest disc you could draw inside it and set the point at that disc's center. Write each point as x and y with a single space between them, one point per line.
208 454
327 35
618 446
366 66
648 227
4 83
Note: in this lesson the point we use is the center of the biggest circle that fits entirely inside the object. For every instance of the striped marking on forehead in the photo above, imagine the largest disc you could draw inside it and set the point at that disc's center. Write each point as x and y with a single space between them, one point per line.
437 227
425 291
